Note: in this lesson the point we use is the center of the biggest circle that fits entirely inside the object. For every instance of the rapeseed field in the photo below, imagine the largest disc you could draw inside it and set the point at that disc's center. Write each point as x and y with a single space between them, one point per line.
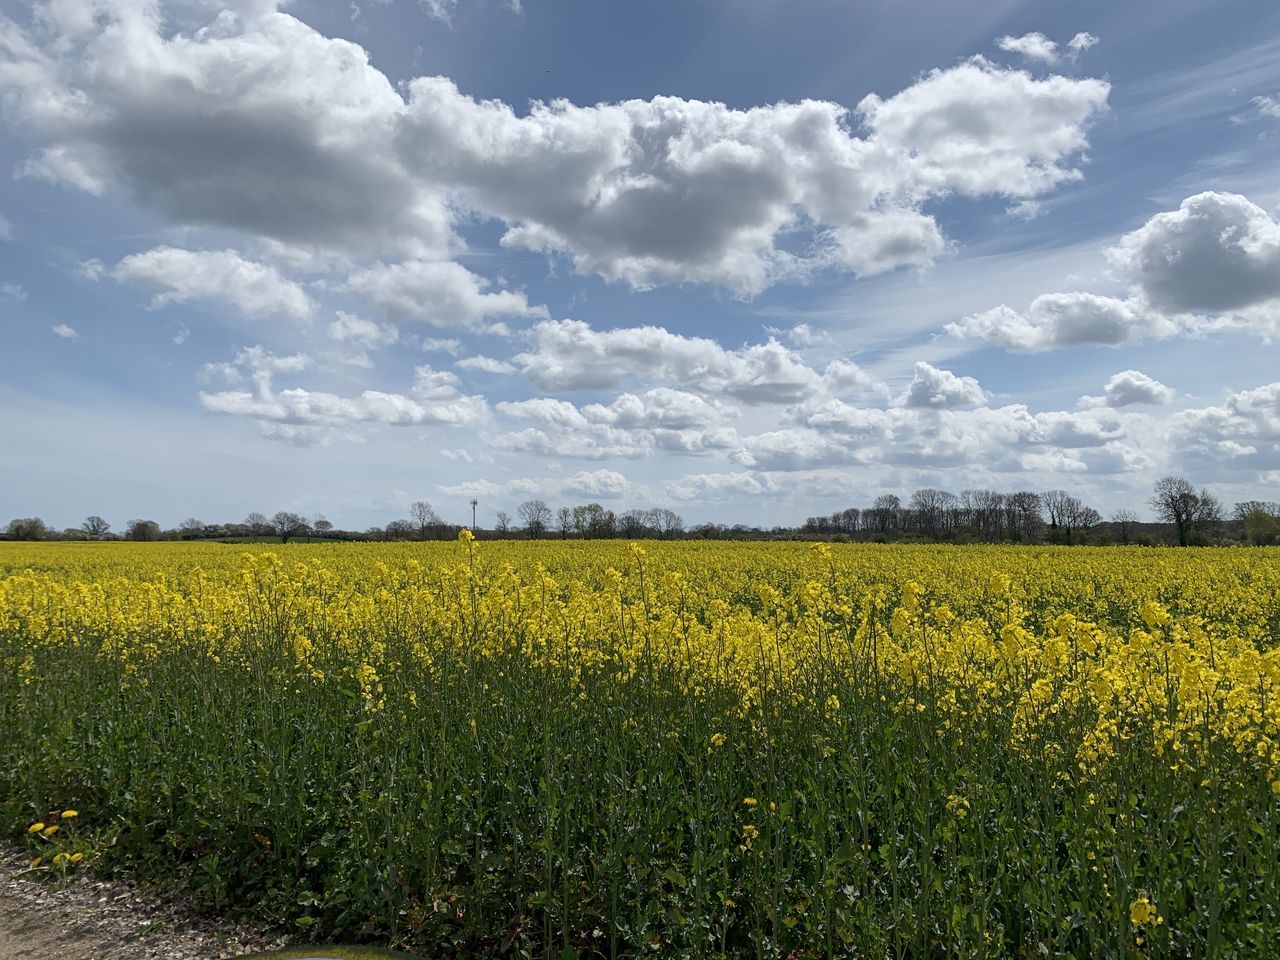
586 749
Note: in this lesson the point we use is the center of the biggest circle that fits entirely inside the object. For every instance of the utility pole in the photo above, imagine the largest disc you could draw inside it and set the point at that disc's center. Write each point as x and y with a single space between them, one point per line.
473 513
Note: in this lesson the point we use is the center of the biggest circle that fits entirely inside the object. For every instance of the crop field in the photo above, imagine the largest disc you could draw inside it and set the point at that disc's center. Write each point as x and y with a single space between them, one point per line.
584 749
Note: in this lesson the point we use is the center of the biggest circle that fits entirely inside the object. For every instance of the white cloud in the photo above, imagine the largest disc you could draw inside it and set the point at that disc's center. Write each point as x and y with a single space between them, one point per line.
13 292
1212 264
6 229
631 426
1081 42
570 355
348 328
485 365
434 398
603 484
1243 433
1268 105
255 289
1130 387
1039 48
65 332
1065 320
258 123
935 389
521 487
1032 46
442 294
717 486
1217 252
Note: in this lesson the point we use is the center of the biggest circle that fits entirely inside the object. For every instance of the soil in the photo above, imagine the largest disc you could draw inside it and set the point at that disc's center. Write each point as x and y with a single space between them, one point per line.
85 918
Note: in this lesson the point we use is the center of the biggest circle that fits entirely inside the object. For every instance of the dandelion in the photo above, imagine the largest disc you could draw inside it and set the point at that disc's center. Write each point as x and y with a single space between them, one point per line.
750 801
35 827
49 831
69 814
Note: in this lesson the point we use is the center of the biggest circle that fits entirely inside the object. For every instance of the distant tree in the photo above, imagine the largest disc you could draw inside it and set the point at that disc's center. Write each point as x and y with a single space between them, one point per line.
593 520
886 510
424 517
95 526
564 522
26 528
400 530
191 528
1056 504
1261 527
1024 512
535 515
258 524
1176 501
288 525
669 522
931 507
321 525
1125 522
143 530
502 522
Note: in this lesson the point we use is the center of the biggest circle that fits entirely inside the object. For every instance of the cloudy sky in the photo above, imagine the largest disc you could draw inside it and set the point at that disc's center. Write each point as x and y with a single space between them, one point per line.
748 259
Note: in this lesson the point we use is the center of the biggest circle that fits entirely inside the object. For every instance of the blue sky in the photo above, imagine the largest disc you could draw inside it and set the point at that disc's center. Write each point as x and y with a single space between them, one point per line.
749 260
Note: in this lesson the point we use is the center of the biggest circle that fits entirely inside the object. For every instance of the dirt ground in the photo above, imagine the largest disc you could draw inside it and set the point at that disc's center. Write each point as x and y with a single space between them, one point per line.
88 919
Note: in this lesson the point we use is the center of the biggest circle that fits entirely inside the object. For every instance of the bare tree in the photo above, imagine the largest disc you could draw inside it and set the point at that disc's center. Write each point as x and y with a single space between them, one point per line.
288 525
95 526
191 528
1175 501
503 522
321 524
887 509
399 530
145 530
1056 503
1125 522
931 508
535 515
424 517
258 524
564 522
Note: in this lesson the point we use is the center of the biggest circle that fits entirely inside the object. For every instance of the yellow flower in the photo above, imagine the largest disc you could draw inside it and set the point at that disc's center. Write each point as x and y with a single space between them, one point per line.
717 740
75 857
958 805
68 814
750 801
37 861
49 831
59 858
1142 912
35 827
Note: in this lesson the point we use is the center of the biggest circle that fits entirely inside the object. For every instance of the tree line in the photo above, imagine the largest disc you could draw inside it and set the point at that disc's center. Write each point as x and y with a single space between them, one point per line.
1183 513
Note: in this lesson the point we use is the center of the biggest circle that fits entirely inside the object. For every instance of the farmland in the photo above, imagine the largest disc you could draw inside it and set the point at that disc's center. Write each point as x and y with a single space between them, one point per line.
680 749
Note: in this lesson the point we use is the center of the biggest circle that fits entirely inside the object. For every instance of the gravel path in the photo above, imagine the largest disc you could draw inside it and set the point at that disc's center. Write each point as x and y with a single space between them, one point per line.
88 919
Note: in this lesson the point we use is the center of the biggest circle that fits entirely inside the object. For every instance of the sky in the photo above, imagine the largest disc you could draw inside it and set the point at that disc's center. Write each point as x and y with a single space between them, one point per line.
750 260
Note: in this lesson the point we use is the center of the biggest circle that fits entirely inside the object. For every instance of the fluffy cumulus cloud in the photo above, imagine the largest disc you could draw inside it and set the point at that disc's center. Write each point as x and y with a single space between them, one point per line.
935 389
180 276
1217 253
359 332
1212 264
596 484
1130 387
569 355
631 426
1039 48
485 365
296 413
1241 434
255 121
717 486
440 293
